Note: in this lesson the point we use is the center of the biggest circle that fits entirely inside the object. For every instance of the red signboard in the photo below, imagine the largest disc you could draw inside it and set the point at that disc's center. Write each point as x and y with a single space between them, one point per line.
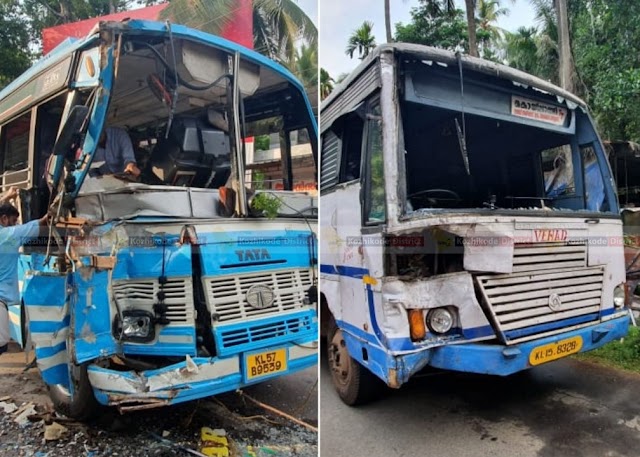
238 29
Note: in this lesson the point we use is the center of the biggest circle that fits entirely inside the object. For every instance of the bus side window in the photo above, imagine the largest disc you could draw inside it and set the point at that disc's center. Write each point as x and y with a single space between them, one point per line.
15 151
352 148
375 196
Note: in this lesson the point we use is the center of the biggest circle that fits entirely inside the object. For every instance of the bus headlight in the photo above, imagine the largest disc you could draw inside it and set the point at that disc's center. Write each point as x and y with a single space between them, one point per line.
440 320
137 325
619 296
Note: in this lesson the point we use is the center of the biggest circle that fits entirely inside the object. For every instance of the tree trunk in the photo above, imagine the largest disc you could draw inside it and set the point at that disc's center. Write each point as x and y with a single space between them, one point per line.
564 46
65 12
387 20
471 27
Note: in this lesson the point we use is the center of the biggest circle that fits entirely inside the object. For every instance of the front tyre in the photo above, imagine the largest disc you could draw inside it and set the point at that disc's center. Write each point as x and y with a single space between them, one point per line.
77 402
354 383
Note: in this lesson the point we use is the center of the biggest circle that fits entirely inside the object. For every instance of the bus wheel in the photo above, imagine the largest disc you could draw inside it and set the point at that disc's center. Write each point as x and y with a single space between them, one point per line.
354 383
80 404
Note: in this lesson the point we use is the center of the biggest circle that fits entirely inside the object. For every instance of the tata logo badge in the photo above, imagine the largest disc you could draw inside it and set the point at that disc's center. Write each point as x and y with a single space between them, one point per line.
555 303
260 296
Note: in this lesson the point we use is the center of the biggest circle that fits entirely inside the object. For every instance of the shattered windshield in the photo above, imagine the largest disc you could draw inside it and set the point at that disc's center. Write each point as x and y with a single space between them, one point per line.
479 162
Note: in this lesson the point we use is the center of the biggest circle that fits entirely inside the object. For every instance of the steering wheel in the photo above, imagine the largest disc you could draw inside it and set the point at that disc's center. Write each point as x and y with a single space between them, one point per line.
424 194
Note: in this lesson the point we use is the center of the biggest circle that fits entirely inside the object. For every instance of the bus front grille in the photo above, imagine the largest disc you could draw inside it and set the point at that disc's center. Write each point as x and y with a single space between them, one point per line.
551 288
246 336
226 295
143 294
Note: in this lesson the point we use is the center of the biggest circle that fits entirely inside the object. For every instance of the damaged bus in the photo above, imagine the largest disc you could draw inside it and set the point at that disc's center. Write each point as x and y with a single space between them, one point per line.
487 237
196 275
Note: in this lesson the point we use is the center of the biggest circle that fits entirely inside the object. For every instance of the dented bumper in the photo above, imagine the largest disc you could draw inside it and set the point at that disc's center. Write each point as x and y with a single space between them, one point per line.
191 379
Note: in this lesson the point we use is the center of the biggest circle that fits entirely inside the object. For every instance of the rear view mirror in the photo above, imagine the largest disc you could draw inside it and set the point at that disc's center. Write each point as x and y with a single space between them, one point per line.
72 127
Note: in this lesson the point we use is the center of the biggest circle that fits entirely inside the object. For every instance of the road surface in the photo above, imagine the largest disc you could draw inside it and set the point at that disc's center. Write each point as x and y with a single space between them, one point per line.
566 408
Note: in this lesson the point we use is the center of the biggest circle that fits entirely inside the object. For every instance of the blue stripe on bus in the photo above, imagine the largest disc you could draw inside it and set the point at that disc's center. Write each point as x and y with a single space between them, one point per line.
57 374
393 344
49 326
48 351
344 270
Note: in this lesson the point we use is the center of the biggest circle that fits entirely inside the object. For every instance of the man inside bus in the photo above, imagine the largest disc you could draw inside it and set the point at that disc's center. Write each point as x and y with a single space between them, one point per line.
12 236
116 151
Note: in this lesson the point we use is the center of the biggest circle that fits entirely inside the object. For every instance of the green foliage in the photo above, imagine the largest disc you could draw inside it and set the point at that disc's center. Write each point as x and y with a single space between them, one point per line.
306 65
361 40
258 179
262 143
326 83
277 24
605 38
535 49
15 57
48 13
434 25
623 354
266 204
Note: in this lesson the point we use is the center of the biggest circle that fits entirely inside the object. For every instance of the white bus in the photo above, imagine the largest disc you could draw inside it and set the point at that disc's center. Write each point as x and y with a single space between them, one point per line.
469 222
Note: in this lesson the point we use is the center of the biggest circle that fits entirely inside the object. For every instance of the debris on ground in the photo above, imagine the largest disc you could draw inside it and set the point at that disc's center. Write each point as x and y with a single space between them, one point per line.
177 431
54 431
8 408
214 442
21 415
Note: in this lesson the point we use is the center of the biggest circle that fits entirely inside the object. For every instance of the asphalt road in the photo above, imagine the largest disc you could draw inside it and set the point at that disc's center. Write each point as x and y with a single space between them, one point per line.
566 408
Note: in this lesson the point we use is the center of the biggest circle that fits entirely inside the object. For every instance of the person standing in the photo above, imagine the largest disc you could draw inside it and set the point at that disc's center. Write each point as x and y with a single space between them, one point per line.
12 237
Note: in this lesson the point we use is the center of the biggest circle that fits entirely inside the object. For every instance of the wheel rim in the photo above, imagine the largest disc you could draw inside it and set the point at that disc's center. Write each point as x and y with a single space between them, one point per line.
339 359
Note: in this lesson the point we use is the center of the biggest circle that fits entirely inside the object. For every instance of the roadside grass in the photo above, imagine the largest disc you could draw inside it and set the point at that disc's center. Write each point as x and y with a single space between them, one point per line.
623 354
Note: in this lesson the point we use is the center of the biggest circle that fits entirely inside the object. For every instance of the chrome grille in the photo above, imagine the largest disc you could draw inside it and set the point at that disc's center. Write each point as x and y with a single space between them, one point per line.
520 303
143 294
547 256
226 295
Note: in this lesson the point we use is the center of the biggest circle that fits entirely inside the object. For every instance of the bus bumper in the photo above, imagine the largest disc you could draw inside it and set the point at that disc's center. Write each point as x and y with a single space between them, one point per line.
191 379
505 360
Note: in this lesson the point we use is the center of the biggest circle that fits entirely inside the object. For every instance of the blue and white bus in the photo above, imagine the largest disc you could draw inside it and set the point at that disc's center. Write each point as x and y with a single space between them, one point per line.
469 222
199 275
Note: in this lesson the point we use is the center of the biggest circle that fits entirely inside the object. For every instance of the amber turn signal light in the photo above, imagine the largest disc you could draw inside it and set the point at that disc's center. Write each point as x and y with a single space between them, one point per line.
417 326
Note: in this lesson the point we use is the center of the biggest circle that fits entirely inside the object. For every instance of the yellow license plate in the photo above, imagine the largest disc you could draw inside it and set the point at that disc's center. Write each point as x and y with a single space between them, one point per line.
266 363
554 351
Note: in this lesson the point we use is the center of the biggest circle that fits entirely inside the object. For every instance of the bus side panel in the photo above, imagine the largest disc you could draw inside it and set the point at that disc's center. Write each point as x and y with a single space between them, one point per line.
92 320
47 307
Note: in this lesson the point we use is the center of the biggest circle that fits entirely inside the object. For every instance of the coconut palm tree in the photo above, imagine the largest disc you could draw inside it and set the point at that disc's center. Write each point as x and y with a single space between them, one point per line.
521 49
361 40
306 65
488 12
326 84
547 40
470 6
277 24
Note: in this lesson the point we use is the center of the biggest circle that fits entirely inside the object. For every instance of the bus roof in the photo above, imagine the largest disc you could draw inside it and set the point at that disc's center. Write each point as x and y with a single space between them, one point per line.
152 28
429 53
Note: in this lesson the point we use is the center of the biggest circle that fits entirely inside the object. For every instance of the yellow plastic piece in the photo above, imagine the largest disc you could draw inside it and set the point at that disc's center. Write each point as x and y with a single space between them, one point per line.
214 444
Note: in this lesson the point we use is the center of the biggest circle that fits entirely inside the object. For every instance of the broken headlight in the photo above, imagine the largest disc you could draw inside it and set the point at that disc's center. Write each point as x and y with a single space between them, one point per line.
136 325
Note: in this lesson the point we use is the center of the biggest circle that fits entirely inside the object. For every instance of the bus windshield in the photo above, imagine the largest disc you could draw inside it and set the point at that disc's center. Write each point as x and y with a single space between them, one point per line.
180 120
456 160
